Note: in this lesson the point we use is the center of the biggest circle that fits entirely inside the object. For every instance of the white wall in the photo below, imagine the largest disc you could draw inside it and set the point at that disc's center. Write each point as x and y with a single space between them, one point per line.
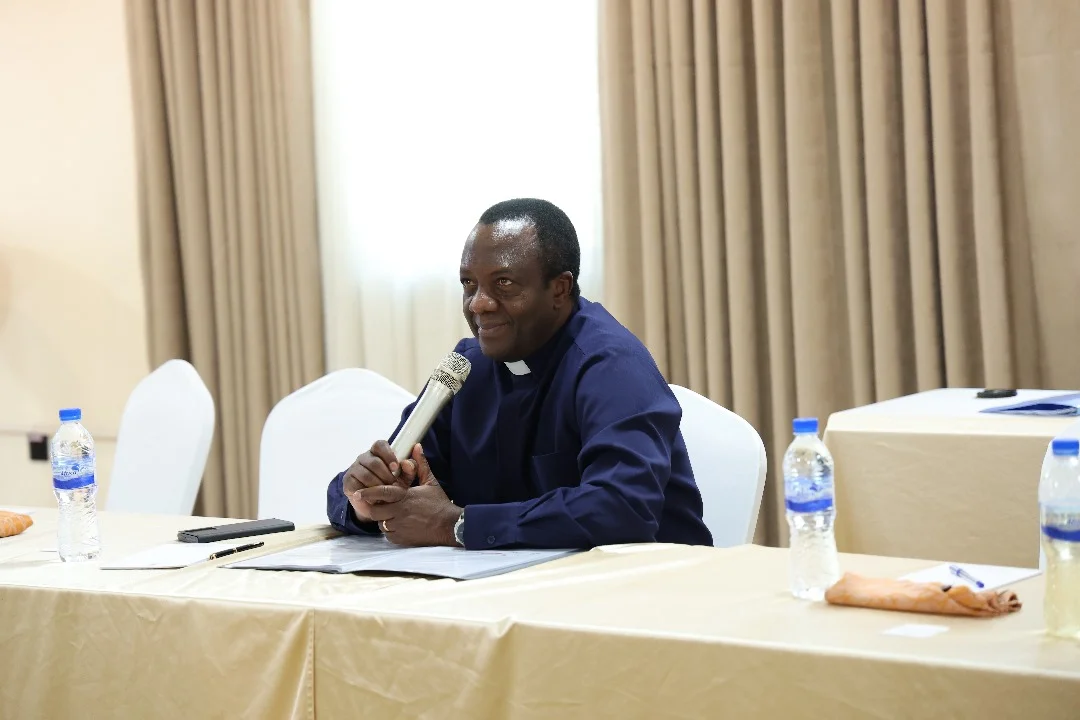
71 296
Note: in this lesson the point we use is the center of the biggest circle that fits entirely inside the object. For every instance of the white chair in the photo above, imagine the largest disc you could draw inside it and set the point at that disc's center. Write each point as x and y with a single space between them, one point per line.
163 442
729 463
316 432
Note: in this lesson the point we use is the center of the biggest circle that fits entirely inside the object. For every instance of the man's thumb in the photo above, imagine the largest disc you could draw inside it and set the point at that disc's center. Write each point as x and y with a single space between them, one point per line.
423 469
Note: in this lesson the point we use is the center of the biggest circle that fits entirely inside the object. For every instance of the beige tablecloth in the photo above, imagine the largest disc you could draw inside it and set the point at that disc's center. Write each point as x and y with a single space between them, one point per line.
929 476
627 632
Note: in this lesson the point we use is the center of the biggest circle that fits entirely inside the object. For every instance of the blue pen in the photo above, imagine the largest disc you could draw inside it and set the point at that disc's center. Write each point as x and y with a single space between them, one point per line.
962 573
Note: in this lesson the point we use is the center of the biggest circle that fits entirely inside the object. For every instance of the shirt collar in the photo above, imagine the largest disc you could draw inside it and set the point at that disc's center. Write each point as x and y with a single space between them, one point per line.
536 364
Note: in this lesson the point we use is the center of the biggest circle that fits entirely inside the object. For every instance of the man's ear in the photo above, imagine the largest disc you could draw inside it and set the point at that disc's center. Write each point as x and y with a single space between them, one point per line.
563 283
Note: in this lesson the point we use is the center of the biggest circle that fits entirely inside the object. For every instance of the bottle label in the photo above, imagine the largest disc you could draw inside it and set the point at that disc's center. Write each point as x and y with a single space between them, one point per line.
73 475
1068 533
810 506
803 494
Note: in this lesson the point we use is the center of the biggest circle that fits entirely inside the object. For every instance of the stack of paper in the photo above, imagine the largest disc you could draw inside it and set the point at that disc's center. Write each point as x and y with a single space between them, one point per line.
993 577
358 553
1054 406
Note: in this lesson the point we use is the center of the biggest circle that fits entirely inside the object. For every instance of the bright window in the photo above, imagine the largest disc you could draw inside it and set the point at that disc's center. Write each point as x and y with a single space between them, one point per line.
427 113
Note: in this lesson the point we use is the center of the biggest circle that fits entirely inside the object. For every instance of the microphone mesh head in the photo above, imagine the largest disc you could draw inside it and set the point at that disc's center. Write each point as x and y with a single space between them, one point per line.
452 371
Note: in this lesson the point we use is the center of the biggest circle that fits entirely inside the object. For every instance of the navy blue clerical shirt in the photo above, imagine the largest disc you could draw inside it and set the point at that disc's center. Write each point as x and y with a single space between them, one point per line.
576 446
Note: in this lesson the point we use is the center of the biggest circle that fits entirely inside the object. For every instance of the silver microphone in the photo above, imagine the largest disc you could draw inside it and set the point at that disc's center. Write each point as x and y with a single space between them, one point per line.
443 384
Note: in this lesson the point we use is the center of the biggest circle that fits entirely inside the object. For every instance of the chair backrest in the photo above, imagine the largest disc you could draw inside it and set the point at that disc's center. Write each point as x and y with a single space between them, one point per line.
729 463
163 442
316 432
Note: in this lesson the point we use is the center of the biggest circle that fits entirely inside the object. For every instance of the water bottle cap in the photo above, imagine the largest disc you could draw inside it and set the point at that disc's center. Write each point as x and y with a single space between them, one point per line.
804 425
1066 446
70 414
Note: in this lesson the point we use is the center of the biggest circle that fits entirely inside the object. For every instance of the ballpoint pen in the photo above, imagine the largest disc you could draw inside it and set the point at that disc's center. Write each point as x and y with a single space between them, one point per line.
964 574
230 551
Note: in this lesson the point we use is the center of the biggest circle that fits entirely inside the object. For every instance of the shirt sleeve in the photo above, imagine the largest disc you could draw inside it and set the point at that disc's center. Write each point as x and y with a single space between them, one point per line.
436 444
629 420
340 513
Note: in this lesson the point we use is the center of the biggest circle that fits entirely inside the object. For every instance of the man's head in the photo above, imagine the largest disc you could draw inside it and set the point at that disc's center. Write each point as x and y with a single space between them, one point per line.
519 274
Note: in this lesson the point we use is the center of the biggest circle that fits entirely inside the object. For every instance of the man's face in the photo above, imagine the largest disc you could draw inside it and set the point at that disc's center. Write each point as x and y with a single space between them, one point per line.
511 310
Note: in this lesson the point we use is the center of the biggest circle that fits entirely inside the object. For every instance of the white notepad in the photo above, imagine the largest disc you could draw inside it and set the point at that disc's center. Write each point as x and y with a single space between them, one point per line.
171 556
993 577
360 553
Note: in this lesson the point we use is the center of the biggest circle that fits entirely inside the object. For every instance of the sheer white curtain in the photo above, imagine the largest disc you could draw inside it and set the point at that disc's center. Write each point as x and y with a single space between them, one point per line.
427 113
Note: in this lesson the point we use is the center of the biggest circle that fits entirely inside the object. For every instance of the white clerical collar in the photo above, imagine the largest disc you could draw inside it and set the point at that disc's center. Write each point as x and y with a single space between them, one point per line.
518 367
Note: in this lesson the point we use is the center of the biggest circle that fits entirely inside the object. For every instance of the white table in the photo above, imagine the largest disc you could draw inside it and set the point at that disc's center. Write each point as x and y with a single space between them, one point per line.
642 631
929 476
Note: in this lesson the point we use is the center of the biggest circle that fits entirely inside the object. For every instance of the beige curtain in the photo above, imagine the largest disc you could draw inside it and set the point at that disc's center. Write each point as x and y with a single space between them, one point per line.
222 94
816 204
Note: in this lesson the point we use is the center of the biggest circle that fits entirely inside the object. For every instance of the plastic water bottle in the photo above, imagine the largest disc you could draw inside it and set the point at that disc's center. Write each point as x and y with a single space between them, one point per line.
1059 517
72 452
811 514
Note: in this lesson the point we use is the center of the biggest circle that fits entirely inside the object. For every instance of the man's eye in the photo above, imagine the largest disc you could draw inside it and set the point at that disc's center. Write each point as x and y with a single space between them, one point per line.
505 282
465 282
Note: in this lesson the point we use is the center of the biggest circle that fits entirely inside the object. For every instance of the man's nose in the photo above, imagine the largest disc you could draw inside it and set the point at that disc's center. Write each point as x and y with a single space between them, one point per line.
481 303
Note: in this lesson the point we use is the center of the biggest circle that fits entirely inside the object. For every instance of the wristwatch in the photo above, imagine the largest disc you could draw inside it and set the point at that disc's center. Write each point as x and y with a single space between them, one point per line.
459 529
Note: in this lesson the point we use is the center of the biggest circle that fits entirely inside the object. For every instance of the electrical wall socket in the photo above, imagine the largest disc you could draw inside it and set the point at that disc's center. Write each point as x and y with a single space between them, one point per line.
39 446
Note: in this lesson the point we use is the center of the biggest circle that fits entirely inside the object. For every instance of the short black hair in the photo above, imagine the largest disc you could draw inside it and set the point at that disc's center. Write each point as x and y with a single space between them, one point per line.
559 249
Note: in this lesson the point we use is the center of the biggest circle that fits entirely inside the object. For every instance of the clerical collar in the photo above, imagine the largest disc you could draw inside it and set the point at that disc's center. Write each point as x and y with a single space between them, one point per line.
537 363
518 367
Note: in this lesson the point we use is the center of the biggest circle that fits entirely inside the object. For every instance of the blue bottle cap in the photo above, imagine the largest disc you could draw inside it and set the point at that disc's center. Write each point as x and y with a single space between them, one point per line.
802 426
1066 446
70 414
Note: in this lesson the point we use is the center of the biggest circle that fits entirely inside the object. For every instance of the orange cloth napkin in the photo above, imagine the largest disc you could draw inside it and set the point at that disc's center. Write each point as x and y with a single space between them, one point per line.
889 594
13 523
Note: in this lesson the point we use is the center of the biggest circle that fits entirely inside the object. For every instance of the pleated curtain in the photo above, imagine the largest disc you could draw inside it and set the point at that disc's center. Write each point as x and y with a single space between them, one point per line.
812 205
223 108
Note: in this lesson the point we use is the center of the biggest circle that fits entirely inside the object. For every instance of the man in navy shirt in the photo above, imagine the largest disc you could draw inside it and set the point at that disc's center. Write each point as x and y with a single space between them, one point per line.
564 435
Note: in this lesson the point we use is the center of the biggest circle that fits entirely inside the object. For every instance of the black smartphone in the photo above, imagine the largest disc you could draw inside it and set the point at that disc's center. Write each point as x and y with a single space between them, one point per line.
995 394
235 530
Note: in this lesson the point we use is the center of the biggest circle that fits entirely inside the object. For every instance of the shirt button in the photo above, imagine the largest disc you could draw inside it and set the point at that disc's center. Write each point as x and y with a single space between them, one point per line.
491 539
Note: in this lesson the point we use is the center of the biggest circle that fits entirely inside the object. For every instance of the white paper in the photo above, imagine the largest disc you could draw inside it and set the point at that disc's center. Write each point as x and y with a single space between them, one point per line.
172 555
994 577
916 630
18 510
631 549
359 553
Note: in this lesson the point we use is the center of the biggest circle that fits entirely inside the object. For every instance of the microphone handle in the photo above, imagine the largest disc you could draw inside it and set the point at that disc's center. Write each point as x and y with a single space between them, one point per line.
427 408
